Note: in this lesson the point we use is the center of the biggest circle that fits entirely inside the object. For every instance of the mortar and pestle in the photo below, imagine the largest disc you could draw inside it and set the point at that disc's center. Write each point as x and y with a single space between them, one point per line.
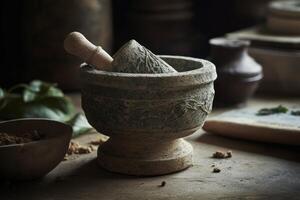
145 111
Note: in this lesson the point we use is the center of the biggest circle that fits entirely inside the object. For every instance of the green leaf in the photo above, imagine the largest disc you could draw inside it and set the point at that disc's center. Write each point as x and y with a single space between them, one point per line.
2 96
270 111
80 125
1 93
41 100
38 90
295 113
17 87
56 108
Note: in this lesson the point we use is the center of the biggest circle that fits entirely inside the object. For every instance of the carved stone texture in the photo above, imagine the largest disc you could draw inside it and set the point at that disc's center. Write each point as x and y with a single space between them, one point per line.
135 58
145 115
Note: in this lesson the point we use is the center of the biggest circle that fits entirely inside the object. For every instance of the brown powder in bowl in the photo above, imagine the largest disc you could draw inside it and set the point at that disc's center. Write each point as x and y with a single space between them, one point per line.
7 139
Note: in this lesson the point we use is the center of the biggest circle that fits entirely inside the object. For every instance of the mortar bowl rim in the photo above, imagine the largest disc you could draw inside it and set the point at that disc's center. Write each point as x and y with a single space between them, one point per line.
206 65
204 74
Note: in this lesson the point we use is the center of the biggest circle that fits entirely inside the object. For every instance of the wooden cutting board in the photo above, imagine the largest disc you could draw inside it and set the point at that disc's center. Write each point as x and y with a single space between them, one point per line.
245 124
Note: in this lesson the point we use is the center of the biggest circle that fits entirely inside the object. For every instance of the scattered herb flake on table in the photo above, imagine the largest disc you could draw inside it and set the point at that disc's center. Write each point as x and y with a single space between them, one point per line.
295 113
270 111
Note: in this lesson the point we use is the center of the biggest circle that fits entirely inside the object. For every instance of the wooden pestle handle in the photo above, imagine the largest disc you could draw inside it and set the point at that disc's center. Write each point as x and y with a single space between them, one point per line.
76 44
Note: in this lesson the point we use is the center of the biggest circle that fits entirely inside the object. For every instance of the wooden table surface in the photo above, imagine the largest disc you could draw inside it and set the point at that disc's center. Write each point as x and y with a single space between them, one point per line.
256 171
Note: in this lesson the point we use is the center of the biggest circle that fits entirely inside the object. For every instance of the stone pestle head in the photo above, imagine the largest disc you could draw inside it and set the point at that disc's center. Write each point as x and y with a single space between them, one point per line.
135 58
130 58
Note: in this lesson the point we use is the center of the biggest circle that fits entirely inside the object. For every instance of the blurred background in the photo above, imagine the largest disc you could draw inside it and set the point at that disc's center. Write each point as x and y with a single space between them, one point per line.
33 31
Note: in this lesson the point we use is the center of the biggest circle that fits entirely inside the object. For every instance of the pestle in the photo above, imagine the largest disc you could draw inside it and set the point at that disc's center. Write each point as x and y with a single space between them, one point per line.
76 44
130 58
135 58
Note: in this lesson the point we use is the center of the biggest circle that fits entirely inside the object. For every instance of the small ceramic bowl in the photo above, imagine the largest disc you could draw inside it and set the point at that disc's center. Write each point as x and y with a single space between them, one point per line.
35 159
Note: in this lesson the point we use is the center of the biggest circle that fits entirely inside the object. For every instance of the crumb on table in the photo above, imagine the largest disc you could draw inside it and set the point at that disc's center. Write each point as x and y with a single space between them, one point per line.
222 155
98 142
163 184
76 148
216 170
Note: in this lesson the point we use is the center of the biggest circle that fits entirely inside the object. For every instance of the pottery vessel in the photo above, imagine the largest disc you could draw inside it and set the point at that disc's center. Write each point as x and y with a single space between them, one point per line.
146 115
284 17
281 70
164 26
279 56
35 159
238 73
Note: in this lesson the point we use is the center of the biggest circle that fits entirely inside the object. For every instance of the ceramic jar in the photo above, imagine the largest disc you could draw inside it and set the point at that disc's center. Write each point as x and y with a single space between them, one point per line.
164 26
284 17
238 73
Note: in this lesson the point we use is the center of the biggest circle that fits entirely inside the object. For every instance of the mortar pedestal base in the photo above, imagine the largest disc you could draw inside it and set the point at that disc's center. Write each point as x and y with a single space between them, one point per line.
144 158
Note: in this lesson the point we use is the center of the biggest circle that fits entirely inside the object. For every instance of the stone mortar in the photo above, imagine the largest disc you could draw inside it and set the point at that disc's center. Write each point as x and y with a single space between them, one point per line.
146 115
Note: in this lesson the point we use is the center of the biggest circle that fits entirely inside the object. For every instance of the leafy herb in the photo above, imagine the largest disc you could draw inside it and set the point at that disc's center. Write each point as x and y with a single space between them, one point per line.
40 100
1 93
270 111
295 113
38 90
80 124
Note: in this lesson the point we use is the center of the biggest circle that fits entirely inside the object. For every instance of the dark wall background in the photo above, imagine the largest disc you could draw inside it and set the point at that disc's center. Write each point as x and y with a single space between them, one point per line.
11 50
33 31
185 26
32 38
